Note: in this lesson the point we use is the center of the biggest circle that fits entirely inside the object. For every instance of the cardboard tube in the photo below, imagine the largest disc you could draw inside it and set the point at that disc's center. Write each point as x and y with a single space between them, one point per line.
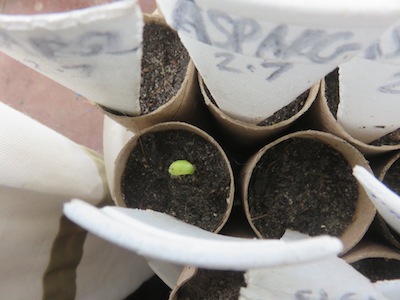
187 274
249 133
212 284
181 107
380 224
364 211
324 120
167 126
371 250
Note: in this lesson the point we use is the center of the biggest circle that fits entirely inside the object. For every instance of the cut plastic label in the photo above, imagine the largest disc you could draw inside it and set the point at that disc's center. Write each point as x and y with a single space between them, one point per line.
328 278
370 90
249 53
95 52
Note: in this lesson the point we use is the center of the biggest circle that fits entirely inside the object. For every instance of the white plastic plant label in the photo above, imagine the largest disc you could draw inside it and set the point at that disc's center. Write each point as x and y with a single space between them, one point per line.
370 89
386 201
257 56
159 236
328 278
40 170
95 51
389 288
35 158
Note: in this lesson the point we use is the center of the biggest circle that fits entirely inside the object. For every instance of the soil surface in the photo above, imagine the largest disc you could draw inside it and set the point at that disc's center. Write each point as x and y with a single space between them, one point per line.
198 199
392 138
283 114
332 98
153 288
332 91
286 112
378 268
164 65
392 177
303 185
212 285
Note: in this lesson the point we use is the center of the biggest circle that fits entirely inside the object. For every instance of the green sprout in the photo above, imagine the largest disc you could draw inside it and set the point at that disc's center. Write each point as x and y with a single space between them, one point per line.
181 167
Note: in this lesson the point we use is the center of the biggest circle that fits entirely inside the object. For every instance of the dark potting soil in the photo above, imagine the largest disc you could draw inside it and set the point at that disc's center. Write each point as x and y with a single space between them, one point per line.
303 185
283 114
164 65
392 177
332 91
212 285
378 268
392 138
198 199
332 98
287 111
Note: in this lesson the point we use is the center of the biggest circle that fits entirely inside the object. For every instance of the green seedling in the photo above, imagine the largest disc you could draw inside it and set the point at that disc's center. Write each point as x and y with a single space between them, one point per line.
181 167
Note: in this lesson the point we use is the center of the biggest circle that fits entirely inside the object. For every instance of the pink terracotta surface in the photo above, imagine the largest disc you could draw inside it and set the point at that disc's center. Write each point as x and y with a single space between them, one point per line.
43 99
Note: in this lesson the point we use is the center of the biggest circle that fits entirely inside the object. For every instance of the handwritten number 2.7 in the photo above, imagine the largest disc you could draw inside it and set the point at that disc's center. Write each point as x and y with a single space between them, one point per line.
228 59
224 65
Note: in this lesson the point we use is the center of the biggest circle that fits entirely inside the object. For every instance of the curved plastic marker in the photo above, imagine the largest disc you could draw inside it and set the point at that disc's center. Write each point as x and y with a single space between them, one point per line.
386 201
160 236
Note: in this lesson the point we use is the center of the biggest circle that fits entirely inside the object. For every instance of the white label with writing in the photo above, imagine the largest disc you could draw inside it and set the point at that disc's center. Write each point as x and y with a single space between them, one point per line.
325 279
370 90
385 200
96 51
254 66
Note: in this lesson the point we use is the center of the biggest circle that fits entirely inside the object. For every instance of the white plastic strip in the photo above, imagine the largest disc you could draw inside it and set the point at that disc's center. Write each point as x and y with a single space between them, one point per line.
35 158
386 201
256 57
95 51
328 278
159 236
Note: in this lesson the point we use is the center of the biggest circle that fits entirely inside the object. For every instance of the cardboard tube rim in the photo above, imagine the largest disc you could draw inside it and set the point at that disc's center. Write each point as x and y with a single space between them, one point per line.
370 249
365 211
123 156
330 123
385 168
381 223
222 117
187 274
171 107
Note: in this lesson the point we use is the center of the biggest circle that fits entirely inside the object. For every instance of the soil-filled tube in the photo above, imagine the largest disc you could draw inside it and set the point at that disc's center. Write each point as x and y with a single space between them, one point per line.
254 134
168 88
323 115
198 283
303 181
208 284
375 261
178 169
388 171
